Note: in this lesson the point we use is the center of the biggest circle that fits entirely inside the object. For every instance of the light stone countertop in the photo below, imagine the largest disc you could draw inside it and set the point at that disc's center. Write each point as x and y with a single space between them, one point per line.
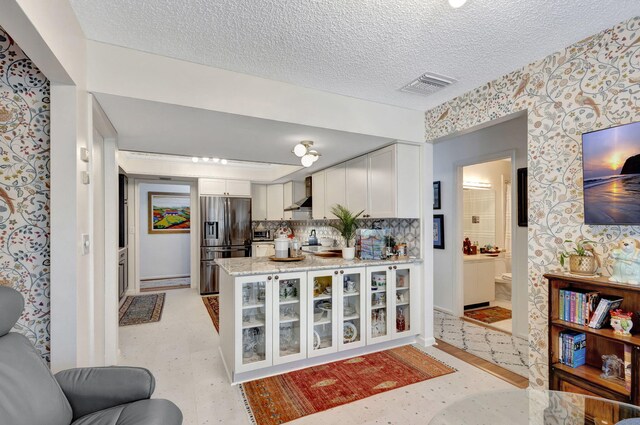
252 266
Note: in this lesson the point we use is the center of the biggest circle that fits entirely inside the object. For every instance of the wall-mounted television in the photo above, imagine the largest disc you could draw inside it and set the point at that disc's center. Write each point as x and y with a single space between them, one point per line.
611 175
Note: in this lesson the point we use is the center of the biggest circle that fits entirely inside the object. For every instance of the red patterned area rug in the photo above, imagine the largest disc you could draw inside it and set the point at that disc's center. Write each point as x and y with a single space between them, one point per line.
213 307
489 314
139 309
283 398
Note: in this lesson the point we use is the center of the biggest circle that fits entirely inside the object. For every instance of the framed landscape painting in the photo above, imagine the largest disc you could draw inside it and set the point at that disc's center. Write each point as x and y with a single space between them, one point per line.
169 212
438 231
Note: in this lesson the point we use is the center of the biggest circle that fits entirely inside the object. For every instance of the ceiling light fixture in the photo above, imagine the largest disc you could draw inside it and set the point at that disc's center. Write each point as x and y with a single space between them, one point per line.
307 155
457 3
205 159
223 161
216 160
194 159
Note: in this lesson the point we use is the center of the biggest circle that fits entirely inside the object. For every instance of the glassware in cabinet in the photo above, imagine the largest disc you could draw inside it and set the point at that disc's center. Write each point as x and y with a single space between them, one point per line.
290 294
402 280
322 315
254 330
378 285
352 314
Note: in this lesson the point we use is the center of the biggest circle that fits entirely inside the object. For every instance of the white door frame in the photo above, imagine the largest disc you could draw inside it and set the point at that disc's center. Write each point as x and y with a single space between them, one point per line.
106 326
134 254
458 219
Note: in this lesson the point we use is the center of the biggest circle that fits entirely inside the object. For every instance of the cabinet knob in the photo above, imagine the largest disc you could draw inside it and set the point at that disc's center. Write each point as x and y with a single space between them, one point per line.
268 277
276 277
390 267
335 272
394 267
341 271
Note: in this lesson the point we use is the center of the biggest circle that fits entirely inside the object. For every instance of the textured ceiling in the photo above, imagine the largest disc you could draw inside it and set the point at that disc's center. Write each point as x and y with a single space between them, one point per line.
364 49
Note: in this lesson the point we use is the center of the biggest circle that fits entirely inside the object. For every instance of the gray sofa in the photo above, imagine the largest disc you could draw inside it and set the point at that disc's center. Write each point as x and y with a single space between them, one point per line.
31 395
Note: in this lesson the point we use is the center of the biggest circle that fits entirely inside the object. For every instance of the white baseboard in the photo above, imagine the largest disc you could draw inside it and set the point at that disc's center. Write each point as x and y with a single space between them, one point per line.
444 310
142 279
425 342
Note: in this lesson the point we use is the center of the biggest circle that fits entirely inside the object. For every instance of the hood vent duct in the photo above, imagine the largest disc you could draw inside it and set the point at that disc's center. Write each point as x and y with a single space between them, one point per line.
428 83
305 203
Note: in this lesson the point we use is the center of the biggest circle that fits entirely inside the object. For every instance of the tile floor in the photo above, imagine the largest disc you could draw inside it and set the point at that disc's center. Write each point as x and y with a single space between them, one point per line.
508 351
182 352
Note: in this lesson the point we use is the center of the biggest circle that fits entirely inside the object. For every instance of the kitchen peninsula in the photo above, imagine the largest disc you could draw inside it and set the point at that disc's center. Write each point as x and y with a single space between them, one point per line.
281 316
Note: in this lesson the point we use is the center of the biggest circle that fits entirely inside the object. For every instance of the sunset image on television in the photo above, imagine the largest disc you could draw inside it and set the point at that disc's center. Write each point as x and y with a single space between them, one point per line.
611 163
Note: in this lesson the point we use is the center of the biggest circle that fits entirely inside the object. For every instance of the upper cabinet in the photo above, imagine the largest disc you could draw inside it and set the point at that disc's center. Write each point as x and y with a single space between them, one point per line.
384 183
275 202
293 192
258 202
357 185
221 187
318 211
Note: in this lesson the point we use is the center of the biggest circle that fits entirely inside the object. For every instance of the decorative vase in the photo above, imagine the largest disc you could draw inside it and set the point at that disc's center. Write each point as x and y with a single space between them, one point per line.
349 253
621 322
585 265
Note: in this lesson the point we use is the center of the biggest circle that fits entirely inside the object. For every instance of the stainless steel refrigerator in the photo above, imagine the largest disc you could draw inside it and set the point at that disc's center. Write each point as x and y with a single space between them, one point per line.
226 233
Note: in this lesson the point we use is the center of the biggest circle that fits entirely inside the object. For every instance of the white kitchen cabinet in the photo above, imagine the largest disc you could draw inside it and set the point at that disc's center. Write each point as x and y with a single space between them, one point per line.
392 302
383 183
290 317
479 280
357 185
335 191
252 322
318 210
293 191
275 202
221 187
337 318
258 202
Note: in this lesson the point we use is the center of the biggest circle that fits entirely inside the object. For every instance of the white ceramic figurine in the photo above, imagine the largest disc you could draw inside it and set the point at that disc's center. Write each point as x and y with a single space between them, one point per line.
626 269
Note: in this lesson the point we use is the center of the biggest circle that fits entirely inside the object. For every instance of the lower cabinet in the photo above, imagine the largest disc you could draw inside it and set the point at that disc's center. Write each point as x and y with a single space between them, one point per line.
280 318
479 281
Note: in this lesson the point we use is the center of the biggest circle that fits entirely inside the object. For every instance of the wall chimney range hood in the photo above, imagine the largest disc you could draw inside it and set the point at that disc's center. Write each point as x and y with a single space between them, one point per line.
305 203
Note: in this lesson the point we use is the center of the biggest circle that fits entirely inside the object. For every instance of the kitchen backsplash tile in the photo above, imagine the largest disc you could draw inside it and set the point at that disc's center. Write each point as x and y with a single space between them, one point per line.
402 229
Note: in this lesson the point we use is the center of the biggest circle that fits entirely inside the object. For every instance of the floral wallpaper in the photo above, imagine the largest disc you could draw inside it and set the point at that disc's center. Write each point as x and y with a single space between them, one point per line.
24 188
590 85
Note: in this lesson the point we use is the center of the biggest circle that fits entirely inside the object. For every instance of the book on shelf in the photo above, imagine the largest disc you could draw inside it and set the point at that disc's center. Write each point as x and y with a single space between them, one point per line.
577 306
601 314
572 348
627 367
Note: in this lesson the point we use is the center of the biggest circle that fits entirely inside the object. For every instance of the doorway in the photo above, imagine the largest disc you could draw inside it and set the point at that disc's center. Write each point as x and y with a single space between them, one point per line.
487 202
163 221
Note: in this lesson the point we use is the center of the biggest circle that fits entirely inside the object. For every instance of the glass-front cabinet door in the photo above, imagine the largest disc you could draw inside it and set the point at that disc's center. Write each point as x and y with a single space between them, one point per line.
352 312
378 302
253 295
403 292
322 316
290 317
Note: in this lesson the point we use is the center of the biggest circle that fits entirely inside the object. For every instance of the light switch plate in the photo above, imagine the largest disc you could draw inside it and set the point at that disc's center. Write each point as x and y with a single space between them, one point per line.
85 177
84 154
86 244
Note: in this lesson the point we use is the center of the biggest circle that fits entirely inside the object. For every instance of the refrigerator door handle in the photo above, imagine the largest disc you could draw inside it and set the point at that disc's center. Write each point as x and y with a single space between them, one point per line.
227 215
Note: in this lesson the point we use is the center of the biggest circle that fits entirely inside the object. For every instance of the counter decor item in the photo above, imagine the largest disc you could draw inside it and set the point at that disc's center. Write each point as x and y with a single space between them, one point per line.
282 247
286 259
621 322
626 268
346 226
583 259
370 243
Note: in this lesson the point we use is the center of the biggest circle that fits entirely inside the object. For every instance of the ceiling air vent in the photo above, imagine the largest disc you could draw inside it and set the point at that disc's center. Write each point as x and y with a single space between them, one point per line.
428 83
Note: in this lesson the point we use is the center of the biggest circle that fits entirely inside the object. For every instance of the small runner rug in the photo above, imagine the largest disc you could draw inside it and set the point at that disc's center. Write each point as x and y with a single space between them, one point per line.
283 398
213 307
140 309
489 314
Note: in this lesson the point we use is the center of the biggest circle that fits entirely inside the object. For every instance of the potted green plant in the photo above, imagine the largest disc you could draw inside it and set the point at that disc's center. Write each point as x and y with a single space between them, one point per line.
582 259
346 226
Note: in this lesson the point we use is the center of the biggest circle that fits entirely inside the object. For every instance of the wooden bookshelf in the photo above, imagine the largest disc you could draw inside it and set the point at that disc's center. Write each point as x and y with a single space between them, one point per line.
586 379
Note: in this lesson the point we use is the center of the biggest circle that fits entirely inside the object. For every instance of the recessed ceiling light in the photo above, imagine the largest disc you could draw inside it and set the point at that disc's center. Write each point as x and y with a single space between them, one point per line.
194 159
223 161
457 3
205 159
216 160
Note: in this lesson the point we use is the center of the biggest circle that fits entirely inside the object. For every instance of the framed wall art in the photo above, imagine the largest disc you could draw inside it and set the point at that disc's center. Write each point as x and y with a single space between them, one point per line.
436 195
438 231
169 213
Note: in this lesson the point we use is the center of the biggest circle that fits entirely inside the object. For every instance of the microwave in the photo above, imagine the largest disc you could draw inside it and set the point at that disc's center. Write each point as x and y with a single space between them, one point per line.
262 235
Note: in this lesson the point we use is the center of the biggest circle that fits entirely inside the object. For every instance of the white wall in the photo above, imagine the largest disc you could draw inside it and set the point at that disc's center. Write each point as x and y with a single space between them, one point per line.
162 255
132 73
449 156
